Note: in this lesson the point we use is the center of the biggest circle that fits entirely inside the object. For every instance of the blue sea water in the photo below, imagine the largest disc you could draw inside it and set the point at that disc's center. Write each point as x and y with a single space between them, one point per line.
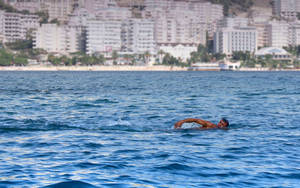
115 129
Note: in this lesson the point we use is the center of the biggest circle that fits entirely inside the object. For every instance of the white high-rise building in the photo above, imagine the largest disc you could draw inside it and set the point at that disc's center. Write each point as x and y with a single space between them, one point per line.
57 9
15 26
175 15
278 34
233 39
184 29
287 9
138 36
103 36
57 39
294 34
262 33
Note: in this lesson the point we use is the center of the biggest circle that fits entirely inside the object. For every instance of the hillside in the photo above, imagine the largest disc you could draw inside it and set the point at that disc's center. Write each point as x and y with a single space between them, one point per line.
233 7
236 7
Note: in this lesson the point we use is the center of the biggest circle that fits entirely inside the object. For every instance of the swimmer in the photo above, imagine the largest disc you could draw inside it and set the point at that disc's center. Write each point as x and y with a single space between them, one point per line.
223 123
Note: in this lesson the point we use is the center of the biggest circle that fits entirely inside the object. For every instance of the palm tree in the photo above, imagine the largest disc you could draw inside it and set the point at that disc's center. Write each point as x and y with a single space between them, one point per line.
161 53
147 56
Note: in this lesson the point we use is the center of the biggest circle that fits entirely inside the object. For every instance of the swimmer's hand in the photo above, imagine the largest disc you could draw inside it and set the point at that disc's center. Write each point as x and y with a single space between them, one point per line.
178 124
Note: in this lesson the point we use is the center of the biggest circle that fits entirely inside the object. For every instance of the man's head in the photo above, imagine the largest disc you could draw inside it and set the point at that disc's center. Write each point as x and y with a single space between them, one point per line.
223 123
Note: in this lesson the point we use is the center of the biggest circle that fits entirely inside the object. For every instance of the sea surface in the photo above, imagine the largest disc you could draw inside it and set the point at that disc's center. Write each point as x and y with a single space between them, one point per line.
115 129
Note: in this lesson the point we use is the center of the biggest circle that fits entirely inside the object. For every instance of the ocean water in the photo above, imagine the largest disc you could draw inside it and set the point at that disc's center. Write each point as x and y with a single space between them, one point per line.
115 129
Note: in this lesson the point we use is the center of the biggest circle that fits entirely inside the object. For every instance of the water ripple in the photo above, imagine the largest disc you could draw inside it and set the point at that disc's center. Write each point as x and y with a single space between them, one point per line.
115 129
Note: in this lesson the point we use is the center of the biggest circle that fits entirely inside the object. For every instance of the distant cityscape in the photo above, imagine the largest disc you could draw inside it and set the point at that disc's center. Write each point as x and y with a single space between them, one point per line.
152 29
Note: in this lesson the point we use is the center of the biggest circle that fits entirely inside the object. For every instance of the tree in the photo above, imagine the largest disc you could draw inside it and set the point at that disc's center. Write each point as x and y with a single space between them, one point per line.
160 54
54 60
20 60
147 57
241 56
6 59
20 45
55 21
219 56
44 16
296 64
115 56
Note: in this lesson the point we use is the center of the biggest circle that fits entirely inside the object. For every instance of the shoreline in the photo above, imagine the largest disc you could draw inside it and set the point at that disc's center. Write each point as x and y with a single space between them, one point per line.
94 68
126 68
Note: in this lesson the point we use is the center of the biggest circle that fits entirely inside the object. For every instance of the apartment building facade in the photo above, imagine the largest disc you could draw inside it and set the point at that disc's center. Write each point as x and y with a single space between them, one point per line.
57 39
233 39
278 34
137 36
103 36
286 9
16 26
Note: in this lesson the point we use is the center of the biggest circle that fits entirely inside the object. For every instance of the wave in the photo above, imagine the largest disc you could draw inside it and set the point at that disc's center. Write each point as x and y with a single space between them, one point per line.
74 184
29 91
11 124
174 166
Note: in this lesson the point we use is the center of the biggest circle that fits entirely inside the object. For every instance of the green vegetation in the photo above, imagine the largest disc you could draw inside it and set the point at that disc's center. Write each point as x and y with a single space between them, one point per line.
77 59
171 60
248 60
294 50
115 56
20 45
203 55
7 7
55 21
44 16
9 59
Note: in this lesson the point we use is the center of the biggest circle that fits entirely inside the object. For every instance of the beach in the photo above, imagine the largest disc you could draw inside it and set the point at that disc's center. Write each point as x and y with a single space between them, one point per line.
121 68
93 68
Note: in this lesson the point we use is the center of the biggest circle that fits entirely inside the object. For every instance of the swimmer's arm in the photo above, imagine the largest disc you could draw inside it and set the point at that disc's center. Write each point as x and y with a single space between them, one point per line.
204 123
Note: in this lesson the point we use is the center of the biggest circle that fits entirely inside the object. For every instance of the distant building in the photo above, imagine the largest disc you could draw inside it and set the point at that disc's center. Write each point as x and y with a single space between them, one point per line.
233 22
182 51
137 36
103 36
233 39
114 13
276 53
278 34
183 21
262 33
286 9
171 28
294 34
95 6
15 26
80 17
58 9
57 39
30 5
